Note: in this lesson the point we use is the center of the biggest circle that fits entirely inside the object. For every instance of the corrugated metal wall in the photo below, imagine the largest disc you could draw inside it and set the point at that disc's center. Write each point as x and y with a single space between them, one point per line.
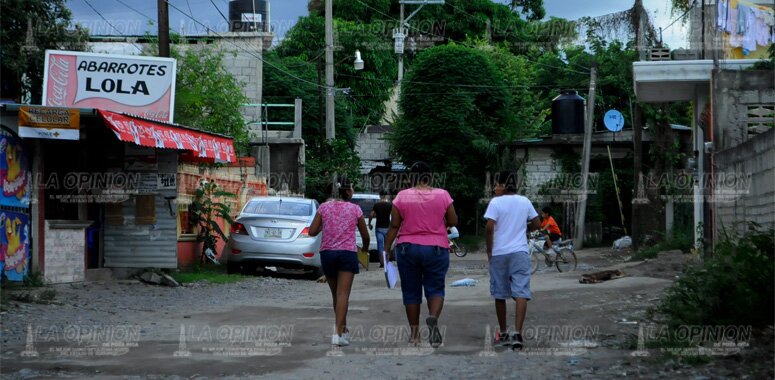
146 246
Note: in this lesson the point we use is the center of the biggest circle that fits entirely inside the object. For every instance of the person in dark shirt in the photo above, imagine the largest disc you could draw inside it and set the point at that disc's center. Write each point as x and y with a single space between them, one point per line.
381 210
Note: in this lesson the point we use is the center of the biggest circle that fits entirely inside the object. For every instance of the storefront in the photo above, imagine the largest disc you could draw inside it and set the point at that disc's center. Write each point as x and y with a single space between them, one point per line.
104 188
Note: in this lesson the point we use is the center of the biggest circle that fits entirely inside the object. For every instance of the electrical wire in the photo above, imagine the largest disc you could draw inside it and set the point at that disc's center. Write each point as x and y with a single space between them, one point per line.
694 2
108 22
136 11
463 43
270 64
219 11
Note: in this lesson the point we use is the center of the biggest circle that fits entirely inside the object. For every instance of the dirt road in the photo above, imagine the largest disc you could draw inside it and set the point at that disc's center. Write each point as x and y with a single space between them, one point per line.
280 327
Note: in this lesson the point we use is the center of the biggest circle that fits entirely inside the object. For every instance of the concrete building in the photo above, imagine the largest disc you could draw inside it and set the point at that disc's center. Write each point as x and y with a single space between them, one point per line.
732 122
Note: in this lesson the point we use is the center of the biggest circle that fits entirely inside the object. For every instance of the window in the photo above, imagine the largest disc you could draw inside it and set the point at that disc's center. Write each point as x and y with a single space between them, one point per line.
279 208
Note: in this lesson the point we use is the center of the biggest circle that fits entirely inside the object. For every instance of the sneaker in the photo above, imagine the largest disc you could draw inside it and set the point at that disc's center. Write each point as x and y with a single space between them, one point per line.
504 339
346 335
337 340
434 336
517 343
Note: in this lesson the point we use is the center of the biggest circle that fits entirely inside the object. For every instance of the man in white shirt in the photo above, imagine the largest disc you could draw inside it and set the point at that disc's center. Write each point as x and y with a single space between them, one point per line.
509 216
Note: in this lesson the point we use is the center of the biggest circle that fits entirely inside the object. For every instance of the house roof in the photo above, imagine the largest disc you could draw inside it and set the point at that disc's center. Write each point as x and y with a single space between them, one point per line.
669 81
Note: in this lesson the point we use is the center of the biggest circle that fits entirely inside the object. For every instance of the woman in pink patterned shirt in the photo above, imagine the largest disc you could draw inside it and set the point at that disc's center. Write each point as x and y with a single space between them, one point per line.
337 219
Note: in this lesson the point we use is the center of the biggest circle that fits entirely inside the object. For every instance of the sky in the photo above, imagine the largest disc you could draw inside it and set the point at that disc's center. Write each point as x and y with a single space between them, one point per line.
121 20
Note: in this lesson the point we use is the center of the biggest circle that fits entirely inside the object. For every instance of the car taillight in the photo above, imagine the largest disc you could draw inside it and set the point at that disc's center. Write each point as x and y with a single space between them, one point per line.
238 228
236 251
305 232
309 254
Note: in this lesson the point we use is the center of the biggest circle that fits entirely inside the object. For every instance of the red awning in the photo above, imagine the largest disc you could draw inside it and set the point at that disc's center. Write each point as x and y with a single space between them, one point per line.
203 145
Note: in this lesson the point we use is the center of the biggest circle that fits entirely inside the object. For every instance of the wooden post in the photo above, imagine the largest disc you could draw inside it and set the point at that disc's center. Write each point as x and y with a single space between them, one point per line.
586 152
164 28
637 142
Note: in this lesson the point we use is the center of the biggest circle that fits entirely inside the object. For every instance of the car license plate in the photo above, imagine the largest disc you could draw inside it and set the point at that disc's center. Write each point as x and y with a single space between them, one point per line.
273 233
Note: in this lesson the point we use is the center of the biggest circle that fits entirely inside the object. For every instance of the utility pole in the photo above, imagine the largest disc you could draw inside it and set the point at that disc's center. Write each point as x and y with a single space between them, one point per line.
400 51
637 147
321 103
330 121
164 28
586 152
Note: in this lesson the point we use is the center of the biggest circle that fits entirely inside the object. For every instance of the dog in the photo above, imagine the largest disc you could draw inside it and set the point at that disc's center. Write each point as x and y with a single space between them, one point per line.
594 278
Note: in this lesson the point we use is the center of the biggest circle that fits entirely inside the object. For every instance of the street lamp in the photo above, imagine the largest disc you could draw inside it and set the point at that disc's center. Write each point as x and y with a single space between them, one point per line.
358 61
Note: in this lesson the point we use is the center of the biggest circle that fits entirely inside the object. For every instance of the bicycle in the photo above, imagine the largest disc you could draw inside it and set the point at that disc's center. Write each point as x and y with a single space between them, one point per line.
564 258
458 249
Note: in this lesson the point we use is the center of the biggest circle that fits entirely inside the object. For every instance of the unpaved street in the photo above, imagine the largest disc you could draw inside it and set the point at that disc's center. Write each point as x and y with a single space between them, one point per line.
279 326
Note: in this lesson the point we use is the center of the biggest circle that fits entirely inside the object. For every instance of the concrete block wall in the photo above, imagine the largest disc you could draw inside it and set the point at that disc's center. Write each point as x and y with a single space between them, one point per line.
539 168
372 146
745 185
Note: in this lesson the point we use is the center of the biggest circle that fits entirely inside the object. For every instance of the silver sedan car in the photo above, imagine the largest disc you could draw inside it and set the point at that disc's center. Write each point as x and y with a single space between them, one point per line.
273 231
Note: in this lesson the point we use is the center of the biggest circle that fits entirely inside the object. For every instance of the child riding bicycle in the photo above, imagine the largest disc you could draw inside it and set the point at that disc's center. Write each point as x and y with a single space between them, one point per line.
549 227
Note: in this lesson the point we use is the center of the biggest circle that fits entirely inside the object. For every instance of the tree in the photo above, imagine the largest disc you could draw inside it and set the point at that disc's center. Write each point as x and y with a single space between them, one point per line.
51 29
208 97
368 89
456 108
533 9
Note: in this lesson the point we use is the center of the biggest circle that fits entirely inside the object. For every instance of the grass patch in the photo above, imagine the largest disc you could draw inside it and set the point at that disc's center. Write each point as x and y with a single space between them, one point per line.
214 274
732 287
680 240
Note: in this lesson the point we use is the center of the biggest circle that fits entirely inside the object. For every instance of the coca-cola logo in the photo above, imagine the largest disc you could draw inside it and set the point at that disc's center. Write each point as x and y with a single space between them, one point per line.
58 70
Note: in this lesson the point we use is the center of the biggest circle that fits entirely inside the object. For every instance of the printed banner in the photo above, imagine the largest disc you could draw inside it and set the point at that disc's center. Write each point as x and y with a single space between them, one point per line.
143 86
15 176
147 133
49 123
15 246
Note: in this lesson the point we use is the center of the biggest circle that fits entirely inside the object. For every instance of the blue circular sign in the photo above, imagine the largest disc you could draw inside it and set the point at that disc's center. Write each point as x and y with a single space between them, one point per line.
613 120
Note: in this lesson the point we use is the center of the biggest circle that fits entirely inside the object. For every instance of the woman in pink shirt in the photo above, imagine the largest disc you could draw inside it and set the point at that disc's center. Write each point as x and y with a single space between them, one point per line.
420 217
337 218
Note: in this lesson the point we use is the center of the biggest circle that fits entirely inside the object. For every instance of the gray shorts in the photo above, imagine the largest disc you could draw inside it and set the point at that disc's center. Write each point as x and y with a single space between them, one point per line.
510 276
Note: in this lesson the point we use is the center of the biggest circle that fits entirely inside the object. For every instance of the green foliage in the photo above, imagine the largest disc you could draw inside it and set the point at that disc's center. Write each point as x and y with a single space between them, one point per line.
334 157
529 120
206 211
206 272
732 287
368 89
766 65
51 29
457 129
208 97
533 9
680 240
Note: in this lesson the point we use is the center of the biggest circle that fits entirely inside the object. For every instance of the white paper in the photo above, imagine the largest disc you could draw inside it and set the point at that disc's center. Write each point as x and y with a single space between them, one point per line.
391 271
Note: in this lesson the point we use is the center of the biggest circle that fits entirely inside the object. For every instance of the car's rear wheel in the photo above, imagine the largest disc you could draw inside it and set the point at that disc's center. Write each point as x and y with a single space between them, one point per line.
232 268
248 269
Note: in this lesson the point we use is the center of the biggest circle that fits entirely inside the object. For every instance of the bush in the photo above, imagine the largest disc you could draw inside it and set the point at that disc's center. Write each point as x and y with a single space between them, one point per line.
681 240
732 287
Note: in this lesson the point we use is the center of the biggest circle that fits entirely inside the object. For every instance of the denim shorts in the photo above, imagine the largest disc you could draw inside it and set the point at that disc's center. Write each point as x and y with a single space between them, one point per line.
421 267
510 276
333 262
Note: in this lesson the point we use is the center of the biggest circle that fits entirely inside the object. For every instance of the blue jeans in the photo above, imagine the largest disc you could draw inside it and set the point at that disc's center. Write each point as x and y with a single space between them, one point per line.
421 267
381 234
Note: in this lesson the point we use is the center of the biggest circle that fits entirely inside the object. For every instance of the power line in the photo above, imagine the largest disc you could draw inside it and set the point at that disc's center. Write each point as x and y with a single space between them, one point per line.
245 50
694 2
108 22
219 11
136 11
464 43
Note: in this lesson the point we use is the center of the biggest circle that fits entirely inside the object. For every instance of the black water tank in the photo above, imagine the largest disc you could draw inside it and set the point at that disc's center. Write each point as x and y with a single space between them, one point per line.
568 113
238 8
